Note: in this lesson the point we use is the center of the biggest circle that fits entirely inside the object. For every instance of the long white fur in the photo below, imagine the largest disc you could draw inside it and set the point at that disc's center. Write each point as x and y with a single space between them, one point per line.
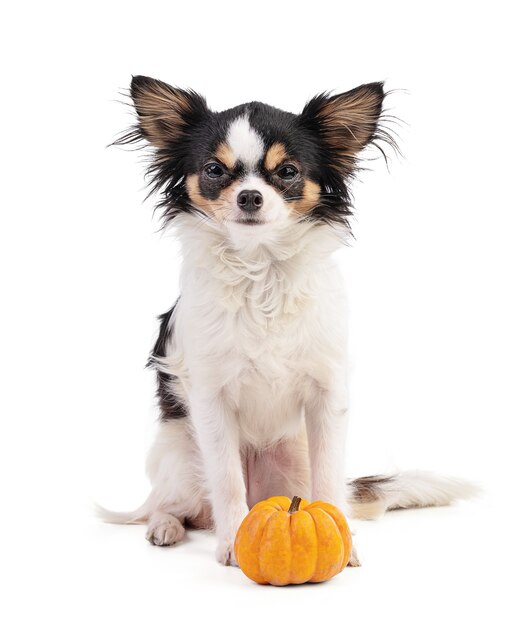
258 334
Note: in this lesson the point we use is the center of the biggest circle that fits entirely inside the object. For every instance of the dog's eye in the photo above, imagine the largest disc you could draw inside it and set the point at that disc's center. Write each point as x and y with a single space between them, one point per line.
213 170
287 172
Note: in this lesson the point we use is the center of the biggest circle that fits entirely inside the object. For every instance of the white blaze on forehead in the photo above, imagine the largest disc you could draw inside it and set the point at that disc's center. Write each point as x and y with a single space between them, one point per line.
245 142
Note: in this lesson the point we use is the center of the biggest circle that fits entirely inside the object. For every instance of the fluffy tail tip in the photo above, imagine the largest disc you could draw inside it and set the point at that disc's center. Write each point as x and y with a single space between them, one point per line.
372 495
118 517
419 488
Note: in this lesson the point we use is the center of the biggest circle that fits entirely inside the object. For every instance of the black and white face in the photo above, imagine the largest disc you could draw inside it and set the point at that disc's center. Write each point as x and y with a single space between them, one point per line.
254 165
255 170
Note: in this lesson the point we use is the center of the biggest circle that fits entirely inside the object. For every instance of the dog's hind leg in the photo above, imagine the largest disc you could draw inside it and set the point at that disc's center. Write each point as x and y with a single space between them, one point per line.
164 529
178 495
175 471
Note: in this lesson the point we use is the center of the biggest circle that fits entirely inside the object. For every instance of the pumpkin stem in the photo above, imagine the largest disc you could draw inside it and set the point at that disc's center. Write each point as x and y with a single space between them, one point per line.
294 505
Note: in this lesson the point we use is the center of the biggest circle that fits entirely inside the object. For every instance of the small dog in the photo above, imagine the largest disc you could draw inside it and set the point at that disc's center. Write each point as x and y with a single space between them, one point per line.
251 359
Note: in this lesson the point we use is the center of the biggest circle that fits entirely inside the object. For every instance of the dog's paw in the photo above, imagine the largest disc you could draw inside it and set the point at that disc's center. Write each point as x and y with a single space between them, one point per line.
225 553
164 530
354 560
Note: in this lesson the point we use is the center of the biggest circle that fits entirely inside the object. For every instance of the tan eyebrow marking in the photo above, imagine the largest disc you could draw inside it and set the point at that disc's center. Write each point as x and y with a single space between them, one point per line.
225 155
275 155
310 197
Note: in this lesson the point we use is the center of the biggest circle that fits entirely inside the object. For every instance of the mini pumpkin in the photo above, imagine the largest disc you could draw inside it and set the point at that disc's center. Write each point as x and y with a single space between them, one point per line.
281 542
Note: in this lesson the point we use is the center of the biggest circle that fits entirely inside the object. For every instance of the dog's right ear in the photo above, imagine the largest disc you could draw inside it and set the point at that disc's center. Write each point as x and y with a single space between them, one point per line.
346 123
165 113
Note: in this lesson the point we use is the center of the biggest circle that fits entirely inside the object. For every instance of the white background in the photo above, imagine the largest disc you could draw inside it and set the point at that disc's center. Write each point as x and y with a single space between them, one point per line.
84 273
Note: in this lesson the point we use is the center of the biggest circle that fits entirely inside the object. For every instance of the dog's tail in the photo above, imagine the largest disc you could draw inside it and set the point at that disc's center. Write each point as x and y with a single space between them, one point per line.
371 496
138 516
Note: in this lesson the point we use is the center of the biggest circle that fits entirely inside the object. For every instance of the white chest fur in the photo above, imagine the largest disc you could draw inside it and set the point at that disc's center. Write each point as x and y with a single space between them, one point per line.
263 326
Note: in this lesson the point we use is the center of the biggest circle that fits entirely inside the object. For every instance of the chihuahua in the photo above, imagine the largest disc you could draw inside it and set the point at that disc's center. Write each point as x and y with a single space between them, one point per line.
251 359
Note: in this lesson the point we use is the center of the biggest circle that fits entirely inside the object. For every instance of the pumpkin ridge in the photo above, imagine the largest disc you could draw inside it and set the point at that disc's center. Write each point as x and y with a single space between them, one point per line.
317 555
346 540
291 544
277 505
252 524
341 537
292 562
259 548
266 504
326 513
319 536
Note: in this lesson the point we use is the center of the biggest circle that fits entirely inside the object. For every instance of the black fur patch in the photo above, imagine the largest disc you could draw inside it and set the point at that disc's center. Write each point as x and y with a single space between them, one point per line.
170 406
369 488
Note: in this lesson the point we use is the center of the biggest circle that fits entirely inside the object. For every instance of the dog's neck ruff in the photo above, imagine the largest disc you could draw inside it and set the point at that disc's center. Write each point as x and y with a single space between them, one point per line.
269 273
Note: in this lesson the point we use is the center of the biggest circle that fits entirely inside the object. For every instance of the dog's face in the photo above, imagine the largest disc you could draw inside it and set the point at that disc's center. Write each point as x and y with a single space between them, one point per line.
254 165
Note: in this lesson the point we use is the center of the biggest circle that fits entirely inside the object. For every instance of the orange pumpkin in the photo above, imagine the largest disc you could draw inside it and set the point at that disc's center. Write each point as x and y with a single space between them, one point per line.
282 542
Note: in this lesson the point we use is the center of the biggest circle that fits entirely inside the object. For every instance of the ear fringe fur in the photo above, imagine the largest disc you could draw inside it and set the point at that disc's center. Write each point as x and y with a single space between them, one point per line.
349 122
164 114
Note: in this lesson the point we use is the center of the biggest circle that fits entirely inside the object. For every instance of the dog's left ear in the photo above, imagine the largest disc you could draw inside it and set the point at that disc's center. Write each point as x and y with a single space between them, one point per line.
345 123
165 113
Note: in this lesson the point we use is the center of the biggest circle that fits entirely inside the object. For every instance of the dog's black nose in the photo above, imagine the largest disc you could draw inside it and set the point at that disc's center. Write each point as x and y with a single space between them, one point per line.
250 200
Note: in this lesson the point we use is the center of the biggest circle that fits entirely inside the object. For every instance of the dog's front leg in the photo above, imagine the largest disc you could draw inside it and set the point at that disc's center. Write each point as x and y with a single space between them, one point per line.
218 438
326 424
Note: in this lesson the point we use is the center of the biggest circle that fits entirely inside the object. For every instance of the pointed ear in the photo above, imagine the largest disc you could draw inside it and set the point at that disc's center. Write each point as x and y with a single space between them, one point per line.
164 113
345 123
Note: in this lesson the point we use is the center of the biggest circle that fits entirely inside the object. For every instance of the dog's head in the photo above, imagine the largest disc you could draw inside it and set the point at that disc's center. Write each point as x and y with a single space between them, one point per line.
254 165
